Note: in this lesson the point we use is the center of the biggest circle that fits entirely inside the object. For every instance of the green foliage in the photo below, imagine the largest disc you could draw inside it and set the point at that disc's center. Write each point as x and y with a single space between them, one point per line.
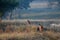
9 5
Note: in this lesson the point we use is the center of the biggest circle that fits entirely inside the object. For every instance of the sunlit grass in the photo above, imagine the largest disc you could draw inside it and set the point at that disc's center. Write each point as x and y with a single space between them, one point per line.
48 35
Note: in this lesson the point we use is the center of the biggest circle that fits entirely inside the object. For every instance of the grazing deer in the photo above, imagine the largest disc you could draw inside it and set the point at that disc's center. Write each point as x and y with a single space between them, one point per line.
40 28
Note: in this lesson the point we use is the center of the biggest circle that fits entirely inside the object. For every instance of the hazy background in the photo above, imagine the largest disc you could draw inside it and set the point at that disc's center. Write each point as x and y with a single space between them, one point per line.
39 9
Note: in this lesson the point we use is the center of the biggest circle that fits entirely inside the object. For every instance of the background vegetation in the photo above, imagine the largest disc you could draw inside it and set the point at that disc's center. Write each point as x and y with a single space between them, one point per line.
9 5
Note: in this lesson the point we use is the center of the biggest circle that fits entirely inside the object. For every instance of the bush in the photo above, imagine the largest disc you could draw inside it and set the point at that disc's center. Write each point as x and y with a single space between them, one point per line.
33 28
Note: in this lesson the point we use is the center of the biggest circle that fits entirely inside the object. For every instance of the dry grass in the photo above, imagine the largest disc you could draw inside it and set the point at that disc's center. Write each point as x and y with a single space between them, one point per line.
20 33
15 35
30 36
